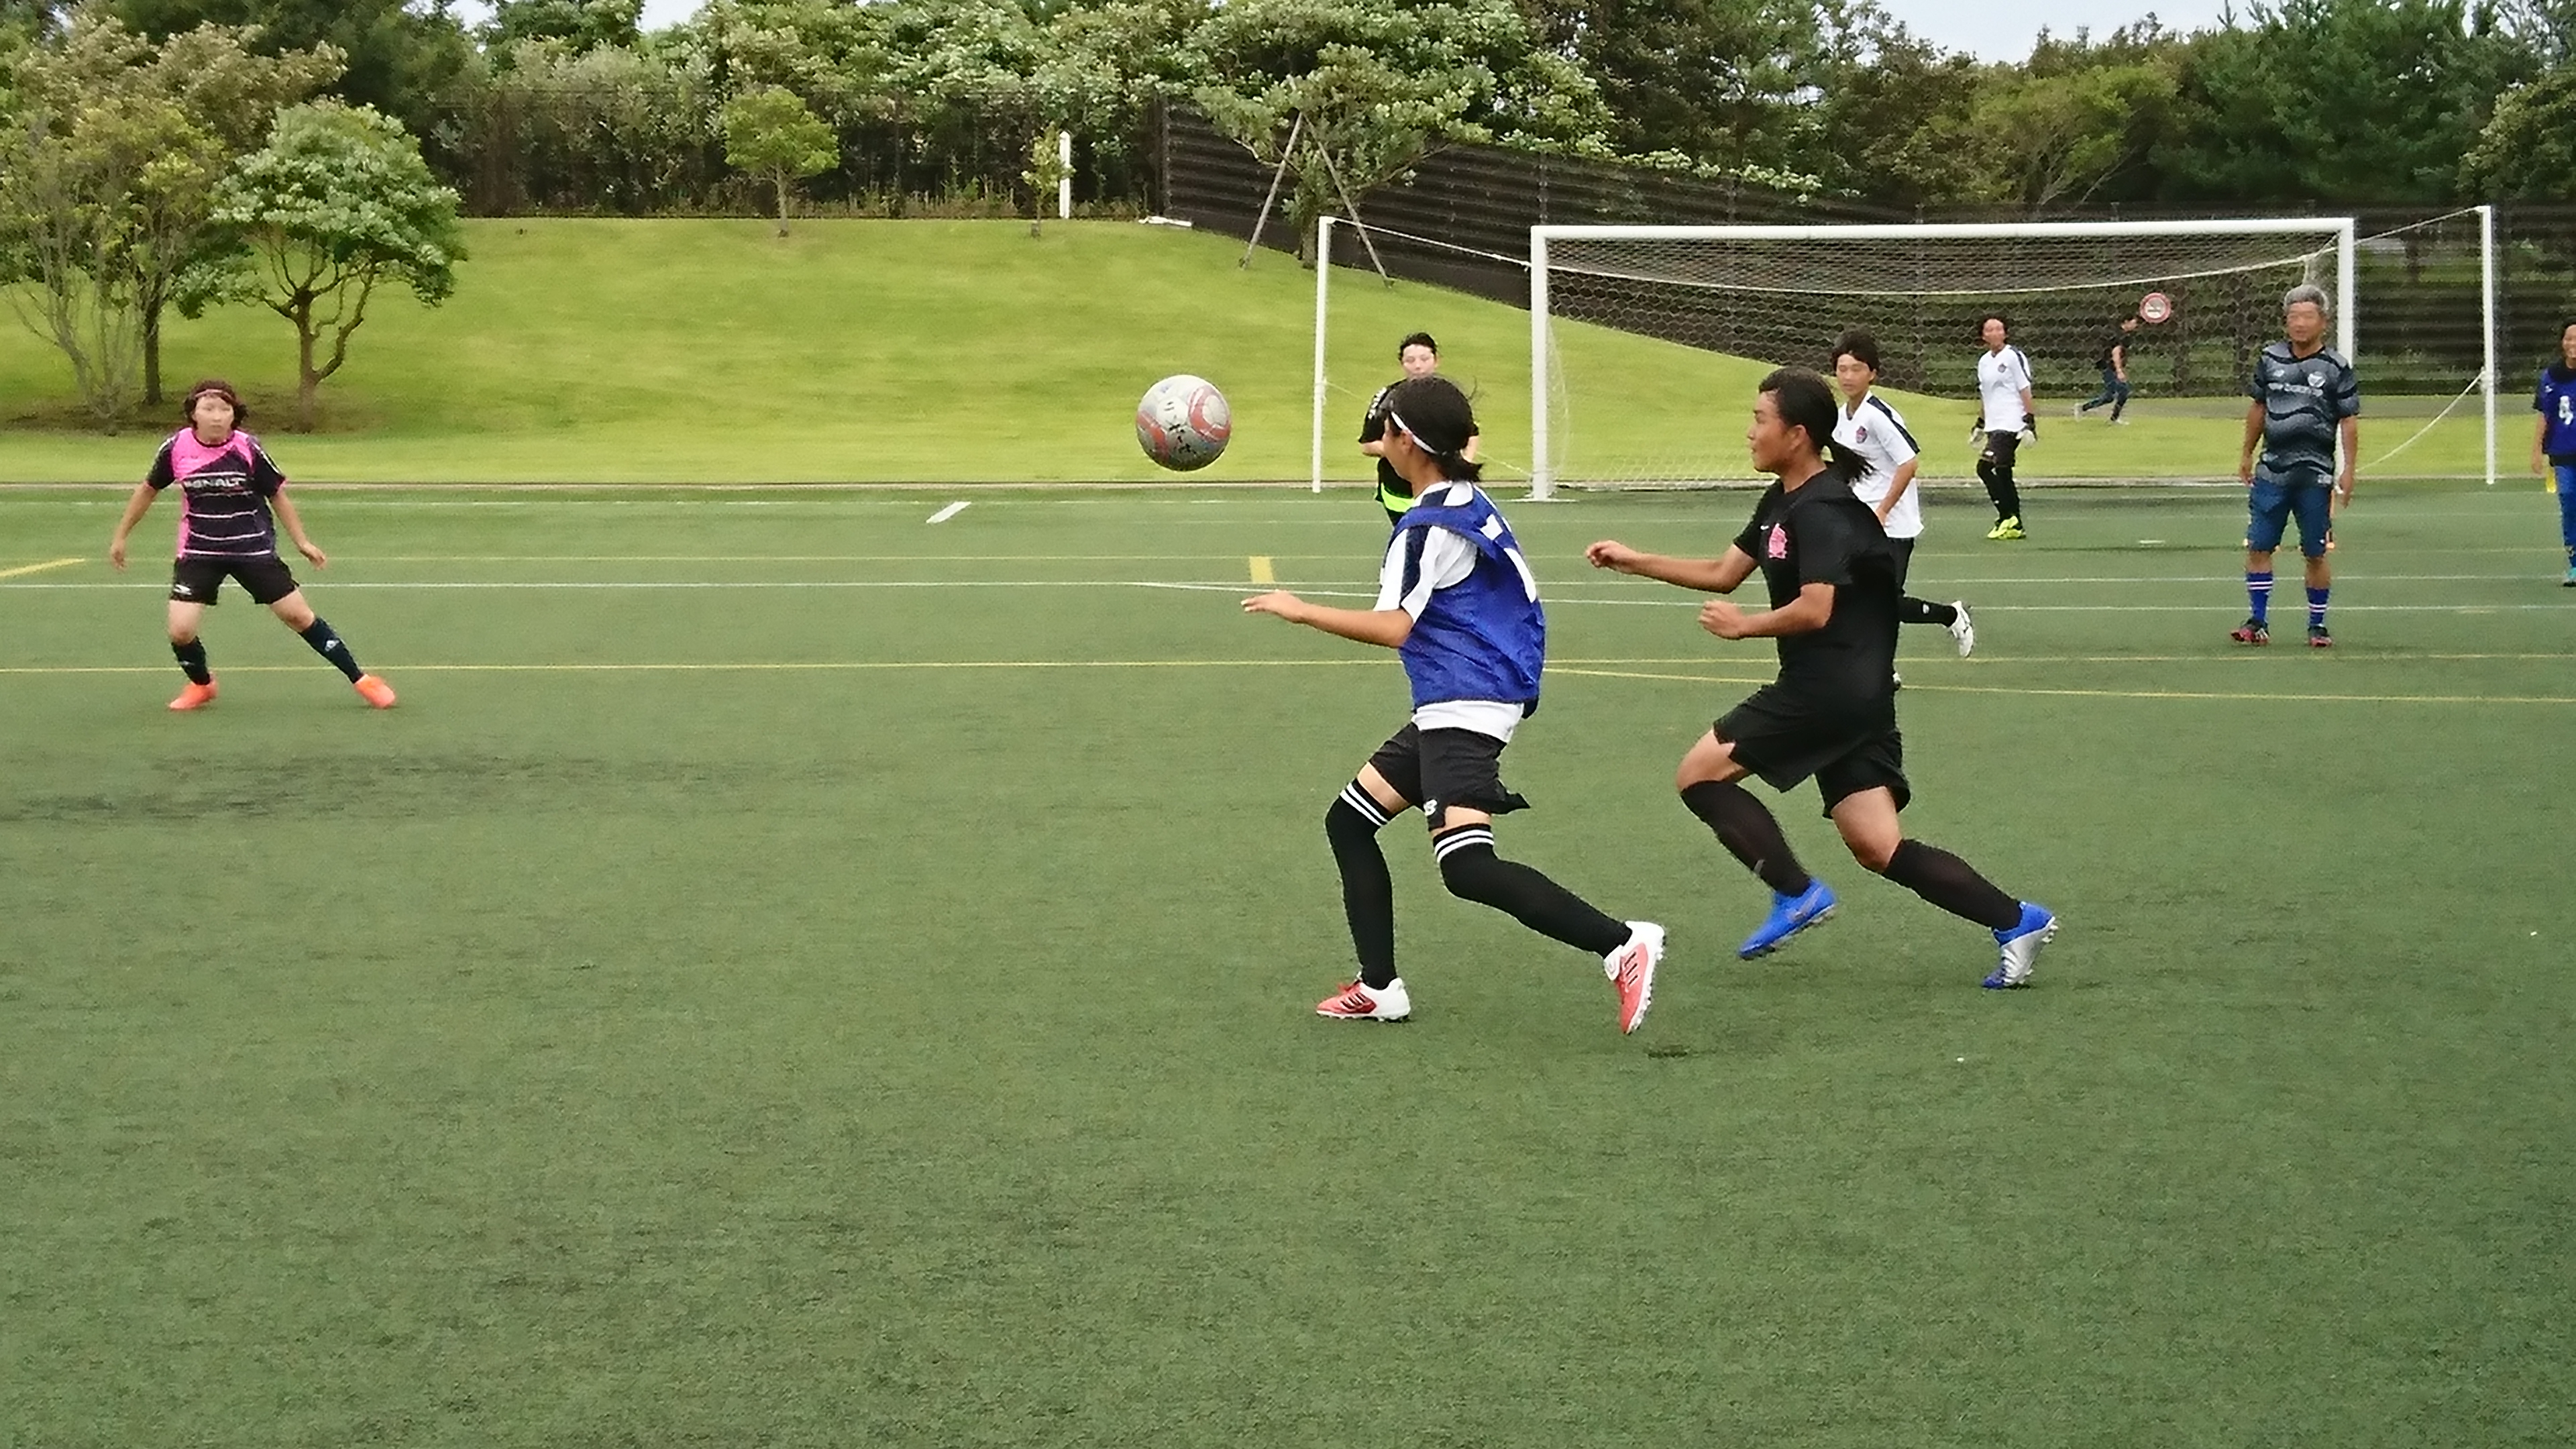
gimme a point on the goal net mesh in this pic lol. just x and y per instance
(1726, 307)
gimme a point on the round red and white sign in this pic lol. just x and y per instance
(2155, 307)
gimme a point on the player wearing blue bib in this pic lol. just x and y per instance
(2553, 443)
(2306, 402)
(1458, 603)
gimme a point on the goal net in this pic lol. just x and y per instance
(1646, 340)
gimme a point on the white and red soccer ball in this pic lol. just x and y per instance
(1183, 423)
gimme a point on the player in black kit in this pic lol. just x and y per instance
(1831, 715)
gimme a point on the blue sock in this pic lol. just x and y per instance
(2317, 608)
(328, 645)
(2258, 590)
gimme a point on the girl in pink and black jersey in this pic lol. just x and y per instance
(232, 499)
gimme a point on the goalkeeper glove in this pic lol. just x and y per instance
(2030, 427)
(1977, 433)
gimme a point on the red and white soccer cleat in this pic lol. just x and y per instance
(1631, 968)
(374, 691)
(1360, 1001)
(195, 696)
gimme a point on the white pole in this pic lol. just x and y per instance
(1064, 175)
(2487, 326)
(1323, 282)
(1542, 476)
(2346, 304)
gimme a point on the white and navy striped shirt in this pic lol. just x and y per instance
(1873, 435)
(225, 488)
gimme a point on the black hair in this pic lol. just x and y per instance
(1805, 400)
(1439, 419)
(213, 387)
(1992, 316)
(1413, 340)
(1859, 346)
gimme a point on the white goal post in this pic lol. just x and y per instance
(1779, 294)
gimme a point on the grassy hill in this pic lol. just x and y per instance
(710, 351)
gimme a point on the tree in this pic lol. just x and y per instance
(398, 58)
(770, 134)
(1368, 89)
(1720, 81)
(2528, 151)
(578, 25)
(2036, 140)
(337, 203)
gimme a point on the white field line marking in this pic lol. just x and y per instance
(951, 511)
(60, 563)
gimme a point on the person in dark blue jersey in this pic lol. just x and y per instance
(2553, 444)
(2307, 404)
(1458, 602)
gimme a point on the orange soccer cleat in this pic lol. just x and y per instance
(1360, 1001)
(195, 696)
(1631, 968)
(371, 689)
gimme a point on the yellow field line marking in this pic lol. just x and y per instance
(60, 563)
(1261, 570)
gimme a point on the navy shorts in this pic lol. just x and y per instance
(2271, 503)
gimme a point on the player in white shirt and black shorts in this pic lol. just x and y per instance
(1873, 437)
(2008, 419)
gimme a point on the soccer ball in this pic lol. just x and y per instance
(1183, 423)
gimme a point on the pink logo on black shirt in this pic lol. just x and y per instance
(1778, 547)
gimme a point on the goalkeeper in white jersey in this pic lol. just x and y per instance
(2008, 418)
(1873, 435)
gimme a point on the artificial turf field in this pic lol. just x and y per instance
(790, 974)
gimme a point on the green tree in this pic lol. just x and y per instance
(2039, 139)
(399, 58)
(1369, 89)
(2528, 150)
(336, 204)
(2347, 101)
(1728, 82)
(770, 134)
(577, 25)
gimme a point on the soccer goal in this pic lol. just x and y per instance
(1725, 303)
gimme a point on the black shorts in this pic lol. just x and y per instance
(199, 580)
(1785, 739)
(2000, 448)
(1435, 769)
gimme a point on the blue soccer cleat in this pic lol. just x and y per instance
(1789, 915)
(2020, 947)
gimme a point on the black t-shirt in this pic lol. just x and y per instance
(1820, 534)
(2120, 337)
(1391, 486)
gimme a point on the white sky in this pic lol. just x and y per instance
(1991, 29)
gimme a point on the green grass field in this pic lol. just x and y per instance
(877, 351)
(790, 974)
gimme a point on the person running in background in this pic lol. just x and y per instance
(232, 498)
(1872, 436)
(1831, 714)
(2306, 401)
(2114, 362)
(1420, 357)
(1458, 603)
(2553, 443)
(2007, 419)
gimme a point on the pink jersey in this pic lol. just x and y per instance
(224, 490)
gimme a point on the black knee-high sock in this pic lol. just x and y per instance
(1749, 833)
(192, 659)
(328, 645)
(1368, 896)
(1911, 610)
(2007, 493)
(1994, 488)
(1952, 884)
(1471, 870)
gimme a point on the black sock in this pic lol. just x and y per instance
(1368, 896)
(1994, 490)
(192, 658)
(1952, 884)
(328, 645)
(1471, 870)
(1749, 834)
(1911, 610)
(2007, 493)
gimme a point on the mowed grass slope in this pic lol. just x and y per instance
(789, 975)
(712, 351)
